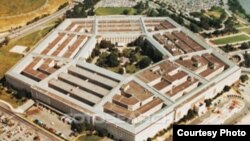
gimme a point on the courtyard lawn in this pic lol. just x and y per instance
(114, 11)
(231, 39)
(215, 12)
(132, 68)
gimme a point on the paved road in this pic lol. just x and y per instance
(49, 137)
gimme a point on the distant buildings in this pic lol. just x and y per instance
(130, 108)
(187, 6)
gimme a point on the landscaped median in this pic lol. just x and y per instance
(231, 39)
(245, 29)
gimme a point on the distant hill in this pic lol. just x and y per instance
(16, 7)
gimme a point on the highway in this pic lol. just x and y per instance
(45, 135)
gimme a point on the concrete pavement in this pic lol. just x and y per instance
(49, 136)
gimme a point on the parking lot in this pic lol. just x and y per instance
(51, 121)
(224, 110)
(11, 129)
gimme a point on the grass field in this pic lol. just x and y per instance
(89, 138)
(10, 98)
(231, 39)
(10, 23)
(16, 7)
(215, 12)
(113, 11)
(9, 59)
(246, 30)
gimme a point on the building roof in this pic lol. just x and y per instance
(58, 67)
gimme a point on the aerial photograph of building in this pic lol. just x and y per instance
(127, 70)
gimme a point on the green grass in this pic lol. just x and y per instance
(10, 99)
(113, 11)
(246, 30)
(9, 59)
(215, 12)
(89, 138)
(238, 25)
(15, 7)
(232, 39)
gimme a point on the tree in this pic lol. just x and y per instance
(244, 78)
(132, 57)
(91, 12)
(140, 6)
(247, 59)
(162, 12)
(121, 71)
(152, 13)
(226, 88)
(125, 11)
(194, 27)
(36, 138)
(204, 22)
(245, 46)
(149, 139)
(126, 52)
(102, 60)
(208, 102)
(77, 12)
(78, 124)
(229, 48)
(102, 132)
(95, 52)
(22, 94)
(112, 60)
(5, 41)
(63, 6)
(106, 44)
(146, 61)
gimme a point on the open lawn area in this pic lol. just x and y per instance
(114, 11)
(9, 59)
(89, 138)
(231, 39)
(246, 30)
(16, 7)
(10, 98)
(215, 12)
(10, 23)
